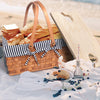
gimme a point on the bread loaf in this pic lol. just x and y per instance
(24, 41)
(27, 29)
(15, 40)
(9, 31)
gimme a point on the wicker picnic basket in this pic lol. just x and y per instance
(36, 55)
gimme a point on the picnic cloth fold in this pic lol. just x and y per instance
(30, 86)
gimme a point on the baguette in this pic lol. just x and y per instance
(15, 40)
(27, 39)
(57, 35)
(24, 41)
(54, 28)
(43, 32)
(43, 39)
(27, 29)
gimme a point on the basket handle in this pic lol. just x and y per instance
(27, 9)
(36, 11)
(48, 24)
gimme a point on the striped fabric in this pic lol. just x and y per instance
(21, 50)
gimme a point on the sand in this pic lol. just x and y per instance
(11, 12)
(18, 87)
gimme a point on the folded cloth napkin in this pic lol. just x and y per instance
(70, 66)
(32, 81)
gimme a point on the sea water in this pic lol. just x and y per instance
(89, 1)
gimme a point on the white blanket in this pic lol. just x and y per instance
(30, 86)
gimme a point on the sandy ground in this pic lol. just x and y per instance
(12, 11)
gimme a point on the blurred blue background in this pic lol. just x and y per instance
(89, 1)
